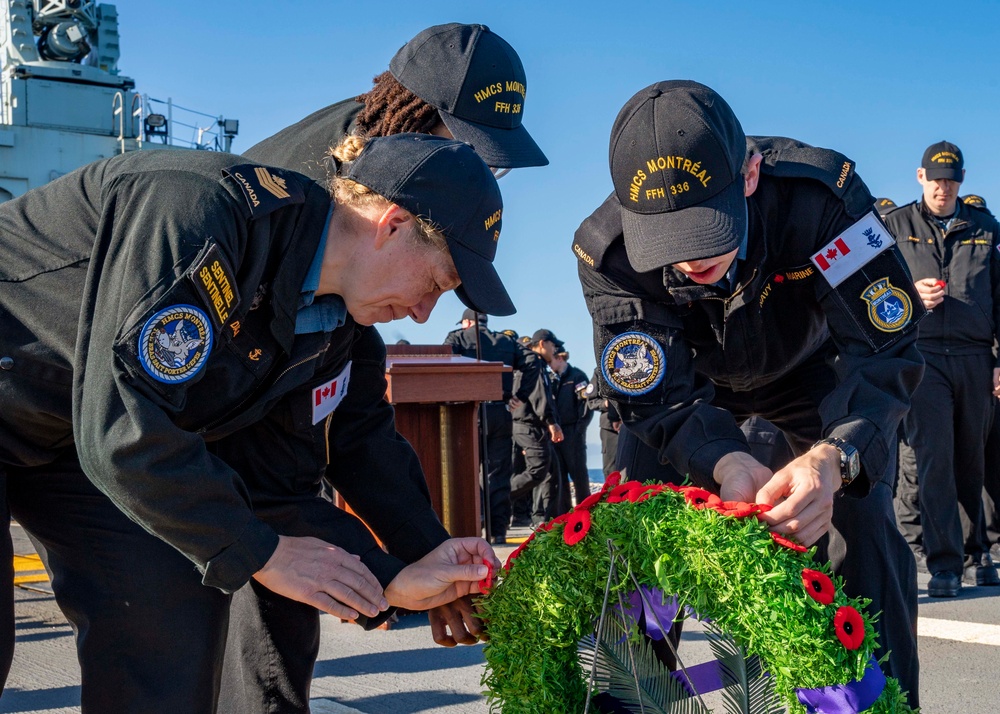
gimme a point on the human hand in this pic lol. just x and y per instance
(329, 578)
(450, 571)
(931, 291)
(802, 494)
(514, 403)
(996, 382)
(456, 623)
(616, 425)
(556, 433)
(740, 476)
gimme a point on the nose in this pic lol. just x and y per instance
(422, 310)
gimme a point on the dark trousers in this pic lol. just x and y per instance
(863, 545)
(907, 498)
(609, 446)
(150, 637)
(572, 454)
(947, 426)
(496, 423)
(539, 470)
(991, 482)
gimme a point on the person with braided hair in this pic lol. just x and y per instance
(458, 81)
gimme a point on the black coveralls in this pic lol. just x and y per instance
(571, 407)
(952, 409)
(199, 433)
(782, 343)
(498, 347)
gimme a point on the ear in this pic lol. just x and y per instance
(921, 175)
(392, 225)
(752, 176)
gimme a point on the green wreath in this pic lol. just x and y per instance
(764, 591)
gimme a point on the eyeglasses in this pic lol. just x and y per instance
(499, 173)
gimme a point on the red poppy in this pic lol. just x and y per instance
(850, 627)
(620, 492)
(486, 583)
(675, 487)
(700, 498)
(763, 508)
(781, 540)
(576, 528)
(818, 585)
(638, 495)
(555, 521)
(589, 502)
(517, 551)
(736, 509)
(614, 478)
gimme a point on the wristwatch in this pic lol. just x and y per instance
(850, 462)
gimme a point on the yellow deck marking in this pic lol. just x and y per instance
(29, 569)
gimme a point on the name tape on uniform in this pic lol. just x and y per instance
(326, 397)
(852, 249)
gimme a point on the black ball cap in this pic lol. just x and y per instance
(476, 82)
(541, 335)
(677, 151)
(884, 205)
(446, 183)
(943, 160)
(470, 314)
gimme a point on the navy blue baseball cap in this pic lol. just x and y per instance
(676, 154)
(943, 160)
(446, 183)
(476, 82)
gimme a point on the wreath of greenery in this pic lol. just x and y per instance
(759, 588)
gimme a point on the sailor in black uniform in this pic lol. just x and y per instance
(186, 350)
(729, 276)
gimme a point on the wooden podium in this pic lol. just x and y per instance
(436, 395)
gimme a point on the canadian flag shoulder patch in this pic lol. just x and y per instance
(852, 249)
(327, 396)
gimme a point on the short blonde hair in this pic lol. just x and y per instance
(346, 192)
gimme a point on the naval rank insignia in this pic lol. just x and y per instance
(174, 343)
(889, 308)
(633, 363)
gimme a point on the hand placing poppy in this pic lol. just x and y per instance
(850, 627)
(819, 586)
(736, 509)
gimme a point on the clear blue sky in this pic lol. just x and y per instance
(876, 81)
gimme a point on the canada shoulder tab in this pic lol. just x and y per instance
(788, 158)
(598, 232)
(265, 188)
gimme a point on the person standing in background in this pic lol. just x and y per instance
(569, 386)
(495, 417)
(951, 251)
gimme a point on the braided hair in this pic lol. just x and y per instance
(391, 108)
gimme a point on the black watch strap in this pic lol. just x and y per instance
(850, 460)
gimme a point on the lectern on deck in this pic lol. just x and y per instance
(436, 395)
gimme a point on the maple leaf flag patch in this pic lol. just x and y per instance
(327, 396)
(852, 249)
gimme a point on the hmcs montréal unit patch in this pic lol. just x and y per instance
(633, 363)
(174, 343)
(889, 308)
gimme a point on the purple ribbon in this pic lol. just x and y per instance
(849, 698)
(661, 609)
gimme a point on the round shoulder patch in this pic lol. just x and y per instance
(889, 308)
(633, 363)
(174, 343)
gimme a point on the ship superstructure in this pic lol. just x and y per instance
(63, 102)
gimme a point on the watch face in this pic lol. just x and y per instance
(853, 465)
